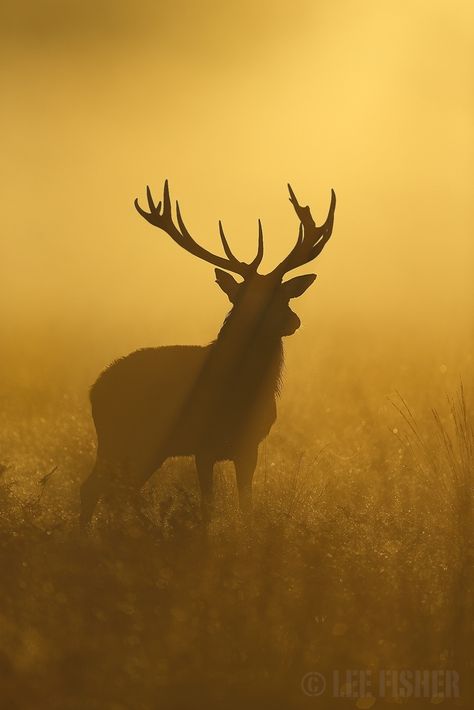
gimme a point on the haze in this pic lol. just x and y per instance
(230, 101)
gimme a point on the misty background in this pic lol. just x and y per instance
(230, 101)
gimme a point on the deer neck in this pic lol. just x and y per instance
(245, 356)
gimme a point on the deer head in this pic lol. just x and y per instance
(262, 301)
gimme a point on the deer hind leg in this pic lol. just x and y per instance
(92, 489)
(107, 481)
(117, 481)
(138, 473)
(245, 464)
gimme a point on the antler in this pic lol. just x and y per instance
(160, 216)
(311, 239)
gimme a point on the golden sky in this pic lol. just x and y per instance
(230, 100)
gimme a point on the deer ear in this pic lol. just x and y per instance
(227, 283)
(297, 286)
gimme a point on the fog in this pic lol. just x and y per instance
(230, 101)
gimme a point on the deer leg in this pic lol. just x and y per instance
(245, 464)
(91, 490)
(205, 471)
(120, 483)
(139, 475)
(110, 482)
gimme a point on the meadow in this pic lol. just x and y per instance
(358, 556)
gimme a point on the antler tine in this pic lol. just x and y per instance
(151, 204)
(166, 201)
(311, 239)
(259, 256)
(162, 218)
(225, 243)
(253, 266)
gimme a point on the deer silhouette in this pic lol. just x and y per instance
(214, 402)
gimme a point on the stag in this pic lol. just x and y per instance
(215, 402)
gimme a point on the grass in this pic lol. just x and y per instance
(359, 555)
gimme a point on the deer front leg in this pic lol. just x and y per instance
(205, 471)
(245, 464)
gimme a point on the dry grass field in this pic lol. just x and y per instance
(358, 556)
